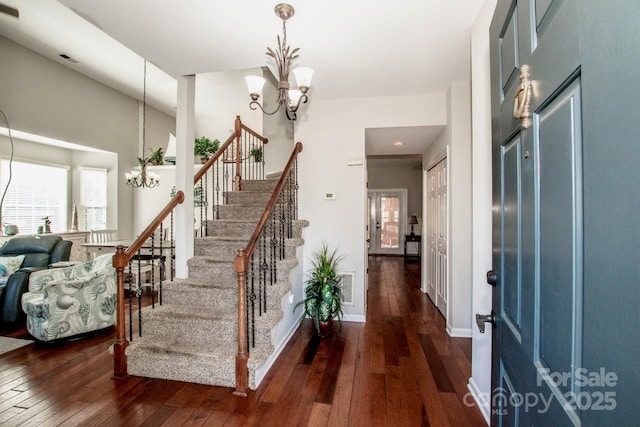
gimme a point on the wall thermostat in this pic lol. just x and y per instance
(329, 196)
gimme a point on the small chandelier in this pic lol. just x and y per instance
(143, 178)
(284, 57)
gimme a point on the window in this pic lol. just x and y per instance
(35, 192)
(93, 188)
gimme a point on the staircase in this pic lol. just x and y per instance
(193, 335)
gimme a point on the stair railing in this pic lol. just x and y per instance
(240, 156)
(256, 264)
(144, 255)
(123, 259)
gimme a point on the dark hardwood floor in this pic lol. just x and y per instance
(398, 369)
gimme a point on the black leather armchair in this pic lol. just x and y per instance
(39, 252)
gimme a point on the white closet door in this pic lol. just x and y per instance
(437, 274)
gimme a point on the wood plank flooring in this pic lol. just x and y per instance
(398, 369)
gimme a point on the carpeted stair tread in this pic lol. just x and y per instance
(196, 313)
(184, 359)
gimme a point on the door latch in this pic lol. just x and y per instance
(481, 319)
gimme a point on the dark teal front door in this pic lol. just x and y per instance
(566, 212)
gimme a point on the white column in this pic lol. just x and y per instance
(185, 123)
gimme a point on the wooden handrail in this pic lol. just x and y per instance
(120, 261)
(272, 201)
(253, 133)
(213, 158)
(144, 236)
(240, 266)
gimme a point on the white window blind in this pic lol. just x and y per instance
(36, 191)
(93, 187)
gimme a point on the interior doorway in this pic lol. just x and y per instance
(387, 221)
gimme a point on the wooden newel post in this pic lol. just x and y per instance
(242, 359)
(119, 356)
(237, 180)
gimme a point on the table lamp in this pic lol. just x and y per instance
(413, 220)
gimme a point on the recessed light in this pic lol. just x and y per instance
(398, 144)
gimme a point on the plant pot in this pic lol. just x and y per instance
(204, 160)
(325, 328)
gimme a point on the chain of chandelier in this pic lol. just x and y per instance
(143, 178)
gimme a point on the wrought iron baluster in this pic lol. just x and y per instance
(289, 206)
(161, 264)
(139, 295)
(252, 297)
(265, 267)
(203, 206)
(172, 251)
(274, 244)
(153, 276)
(296, 186)
(283, 220)
(130, 294)
(216, 200)
(260, 294)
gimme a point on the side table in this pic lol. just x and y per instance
(418, 241)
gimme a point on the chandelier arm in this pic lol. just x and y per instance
(254, 105)
(291, 115)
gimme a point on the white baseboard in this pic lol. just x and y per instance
(355, 318)
(459, 332)
(480, 399)
(262, 371)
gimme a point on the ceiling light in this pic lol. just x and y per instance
(284, 57)
(143, 178)
(398, 144)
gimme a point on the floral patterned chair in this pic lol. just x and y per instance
(71, 301)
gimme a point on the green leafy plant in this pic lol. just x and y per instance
(203, 147)
(256, 153)
(156, 157)
(323, 294)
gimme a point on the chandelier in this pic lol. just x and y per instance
(283, 57)
(142, 177)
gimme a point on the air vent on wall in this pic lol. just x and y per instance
(9, 10)
(68, 58)
(348, 279)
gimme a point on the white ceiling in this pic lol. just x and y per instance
(358, 48)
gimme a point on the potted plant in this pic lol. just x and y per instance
(256, 153)
(156, 157)
(204, 147)
(323, 294)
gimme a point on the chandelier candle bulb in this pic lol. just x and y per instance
(303, 78)
(294, 99)
(255, 85)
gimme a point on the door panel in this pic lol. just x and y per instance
(565, 202)
(560, 236)
(512, 237)
(437, 262)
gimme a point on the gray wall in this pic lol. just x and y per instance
(43, 97)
